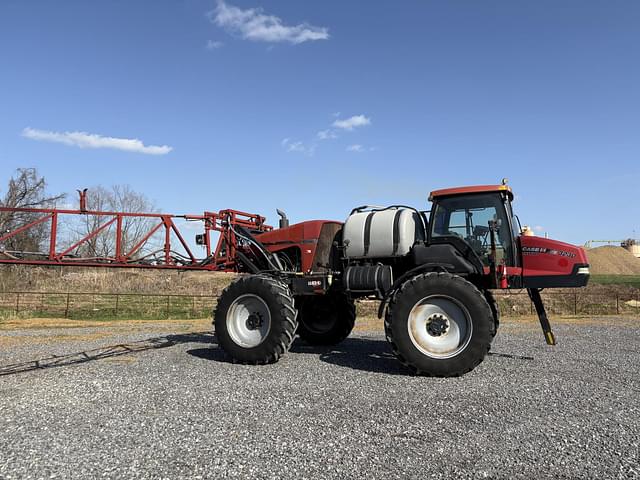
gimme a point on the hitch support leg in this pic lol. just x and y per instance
(534, 295)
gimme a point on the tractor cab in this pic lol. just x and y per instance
(481, 216)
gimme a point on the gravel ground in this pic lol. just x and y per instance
(174, 408)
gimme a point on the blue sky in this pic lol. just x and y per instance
(228, 101)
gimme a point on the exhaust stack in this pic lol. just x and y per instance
(284, 221)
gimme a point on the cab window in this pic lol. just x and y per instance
(468, 217)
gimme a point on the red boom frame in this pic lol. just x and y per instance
(222, 259)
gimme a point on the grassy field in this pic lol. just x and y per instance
(96, 306)
(628, 280)
(104, 295)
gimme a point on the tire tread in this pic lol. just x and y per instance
(287, 314)
(411, 284)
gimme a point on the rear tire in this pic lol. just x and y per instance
(255, 319)
(326, 319)
(439, 324)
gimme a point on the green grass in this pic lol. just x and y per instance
(630, 280)
(105, 307)
(108, 315)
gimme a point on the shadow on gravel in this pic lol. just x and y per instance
(214, 352)
(370, 355)
(357, 353)
(110, 351)
(366, 354)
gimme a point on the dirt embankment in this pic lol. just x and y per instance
(610, 260)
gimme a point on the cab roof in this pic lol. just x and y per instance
(447, 192)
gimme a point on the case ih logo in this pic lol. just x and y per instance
(538, 250)
(314, 283)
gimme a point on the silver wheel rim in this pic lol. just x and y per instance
(440, 326)
(248, 320)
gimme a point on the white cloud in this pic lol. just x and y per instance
(327, 134)
(92, 140)
(352, 122)
(214, 44)
(253, 24)
(297, 147)
(538, 228)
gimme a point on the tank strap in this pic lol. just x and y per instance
(396, 231)
(367, 232)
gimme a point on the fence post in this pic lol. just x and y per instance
(575, 302)
(168, 299)
(117, 303)
(530, 307)
(17, 303)
(66, 308)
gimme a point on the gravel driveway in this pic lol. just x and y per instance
(173, 407)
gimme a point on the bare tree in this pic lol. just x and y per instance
(119, 198)
(26, 189)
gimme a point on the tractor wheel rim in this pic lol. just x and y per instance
(248, 320)
(440, 326)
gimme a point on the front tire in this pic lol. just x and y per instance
(255, 319)
(495, 310)
(326, 319)
(439, 324)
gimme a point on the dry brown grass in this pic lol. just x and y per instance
(106, 280)
(369, 324)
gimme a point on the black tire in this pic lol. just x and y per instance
(458, 313)
(255, 300)
(326, 319)
(495, 311)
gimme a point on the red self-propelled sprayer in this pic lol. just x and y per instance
(433, 272)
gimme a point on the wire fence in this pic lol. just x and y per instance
(576, 302)
(88, 305)
(85, 305)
